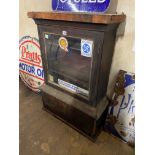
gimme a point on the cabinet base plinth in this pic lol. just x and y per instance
(88, 121)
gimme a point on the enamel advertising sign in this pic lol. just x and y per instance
(80, 5)
(30, 63)
(121, 115)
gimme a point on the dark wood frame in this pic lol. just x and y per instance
(99, 68)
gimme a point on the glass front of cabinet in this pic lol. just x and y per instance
(69, 61)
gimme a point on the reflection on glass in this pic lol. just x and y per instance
(66, 66)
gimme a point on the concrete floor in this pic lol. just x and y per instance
(43, 134)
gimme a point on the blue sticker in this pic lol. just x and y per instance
(80, 5)
(86, 48)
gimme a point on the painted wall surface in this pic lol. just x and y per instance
(27, 25)
(124, 57)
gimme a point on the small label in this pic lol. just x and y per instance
(63, 43)
(86, 48)
(46, 36)
(73, 88)
(50, 78)
(64, 33)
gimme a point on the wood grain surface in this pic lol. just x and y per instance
(79, 17)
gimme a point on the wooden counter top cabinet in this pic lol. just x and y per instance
(77, 52)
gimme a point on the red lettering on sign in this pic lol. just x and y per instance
(32, 56)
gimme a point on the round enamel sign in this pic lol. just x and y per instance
(30, 63)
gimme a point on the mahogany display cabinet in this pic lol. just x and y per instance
(77, 52)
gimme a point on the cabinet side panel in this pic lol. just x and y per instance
(107, 54)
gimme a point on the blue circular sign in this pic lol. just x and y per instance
(86, 48)
(80, 5)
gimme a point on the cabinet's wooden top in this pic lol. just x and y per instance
(79, 17)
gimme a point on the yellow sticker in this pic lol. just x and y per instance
(63, 43)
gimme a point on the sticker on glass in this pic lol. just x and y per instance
(86, 48)
(64, 33)
(73, 87)
(63, 43)
(46, 36)
(50, 78)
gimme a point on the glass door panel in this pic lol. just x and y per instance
(69, 62)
